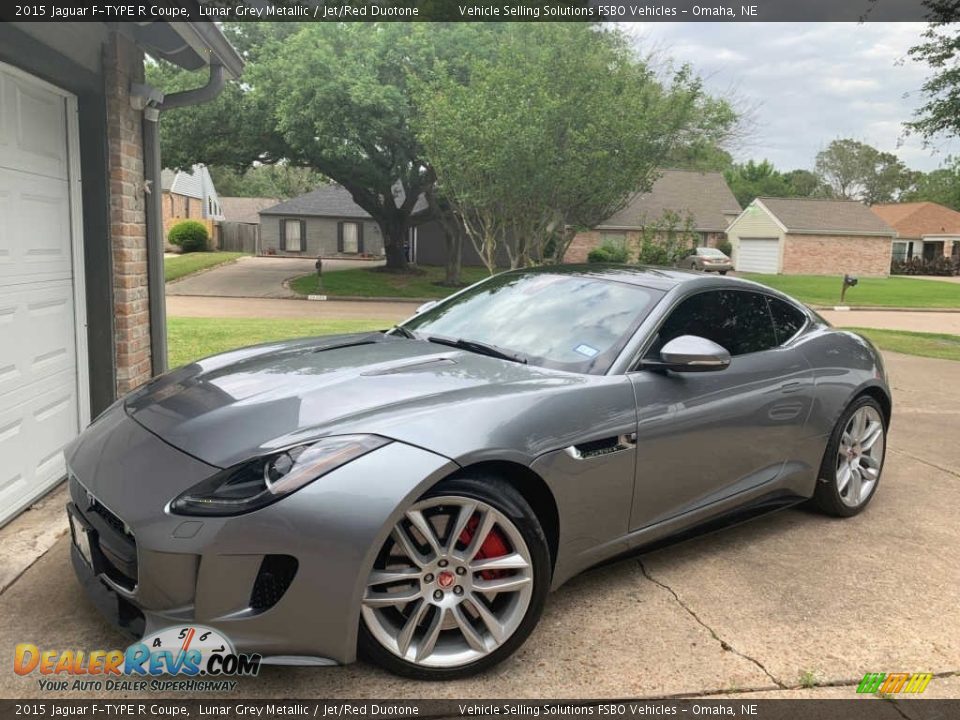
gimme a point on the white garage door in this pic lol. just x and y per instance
(759, 255)
(43, 371)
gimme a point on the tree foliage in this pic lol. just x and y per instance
(752, 179)
(273, 181)
(940, 49)
(550, 134)
(857, 171)
(940, 186)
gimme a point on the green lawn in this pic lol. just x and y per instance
(190, 339)
(373, 282)
(879, 292)
(181, 265)
(933, 345)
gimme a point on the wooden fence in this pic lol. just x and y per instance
(238, 237)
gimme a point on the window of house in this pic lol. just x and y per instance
(292, 235)
(738, 321)
(351, 237)
(613, 239)
(900, 251)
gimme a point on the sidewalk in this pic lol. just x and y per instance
(915, 321)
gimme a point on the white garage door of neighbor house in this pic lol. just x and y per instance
(759, 255)
(43, 364)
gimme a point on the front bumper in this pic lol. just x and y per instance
(284, 581)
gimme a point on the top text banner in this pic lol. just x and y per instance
(463, 11)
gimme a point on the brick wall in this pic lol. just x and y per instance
(123, 63)
(584, 242)
(836, 254)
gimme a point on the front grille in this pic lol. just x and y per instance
(276, 574)
(114, 548)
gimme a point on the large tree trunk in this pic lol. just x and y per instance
(394, 238)
(454, 242)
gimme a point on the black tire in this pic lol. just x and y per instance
(826, 496)
(505, 498)
(723, 272)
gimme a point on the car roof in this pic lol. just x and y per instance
(659, 278)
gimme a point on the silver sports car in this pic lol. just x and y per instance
(413, 495)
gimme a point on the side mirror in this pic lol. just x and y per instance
(426, 306)
(691, 353)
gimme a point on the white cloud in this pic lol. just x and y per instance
(810, 82)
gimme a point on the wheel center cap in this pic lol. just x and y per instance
(445, 579)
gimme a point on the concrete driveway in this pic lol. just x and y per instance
(255, 277)
(749, 610)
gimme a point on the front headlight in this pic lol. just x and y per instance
(258, 483)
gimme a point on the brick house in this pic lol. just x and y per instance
(703, 196)
(81, 282)
(924, 229)
(189, 195)
(808, 236)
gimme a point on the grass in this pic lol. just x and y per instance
(373, 282)
(190, 339)
(932, 345)
(876, 292)
(808, 679)
(180, 266)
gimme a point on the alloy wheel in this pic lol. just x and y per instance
(451, 584)
(860, 456)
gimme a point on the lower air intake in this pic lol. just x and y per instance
(276, 574)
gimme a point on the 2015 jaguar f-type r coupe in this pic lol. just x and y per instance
(414, 494)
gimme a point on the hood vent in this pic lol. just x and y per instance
(416, 366)
(347, 344)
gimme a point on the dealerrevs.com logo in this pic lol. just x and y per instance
(204, 655)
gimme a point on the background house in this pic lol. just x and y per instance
(924, 229)
(705, 196)
(81, 282)
(806, 236)
(323, 222)
(189, 195)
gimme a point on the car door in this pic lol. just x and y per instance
(704, 436)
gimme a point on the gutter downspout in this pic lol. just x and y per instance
(154, 212)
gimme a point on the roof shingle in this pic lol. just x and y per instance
(815, 215)
(245, 209)
(705, 195)
(915, 220)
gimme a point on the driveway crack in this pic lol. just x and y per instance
(713, 633)
(941, 468)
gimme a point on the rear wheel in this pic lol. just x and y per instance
(459, 584)
(853, 461)
(723, 272)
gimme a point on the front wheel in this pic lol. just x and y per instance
(723, 272)
(853, 461)
(459, 584)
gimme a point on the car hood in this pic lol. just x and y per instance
(229, 408)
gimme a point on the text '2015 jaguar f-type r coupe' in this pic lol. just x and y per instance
(414, 494)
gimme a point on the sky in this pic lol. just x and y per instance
(809, 83)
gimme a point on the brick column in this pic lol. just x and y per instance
(123, 63)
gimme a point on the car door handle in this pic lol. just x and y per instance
(790, 387)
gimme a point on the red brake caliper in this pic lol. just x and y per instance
(495, 545)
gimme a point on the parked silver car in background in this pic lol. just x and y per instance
(416, 493)
(707, 259)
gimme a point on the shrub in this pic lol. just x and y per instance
(609, 254)
(725, 247)
(921, 266)
(653, 253)
(189, 236)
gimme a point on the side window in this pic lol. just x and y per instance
(787, 320)
(736, 320)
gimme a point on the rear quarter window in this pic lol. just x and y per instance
(787, 320)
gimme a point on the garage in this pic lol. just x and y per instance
(759, 255)
(43, 365)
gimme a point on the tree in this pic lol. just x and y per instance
(276, 181)
(940, 186)
(751, 179)
(940, 49)
(857, 171)
(550, 134)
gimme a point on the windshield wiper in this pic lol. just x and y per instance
(478, 347)
(402, 331)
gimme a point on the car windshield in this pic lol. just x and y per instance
(577, 323)
(710, 252)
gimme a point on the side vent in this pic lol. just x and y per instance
(604, 446)
(276, 574)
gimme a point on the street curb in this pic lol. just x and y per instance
(201, 271)
(871, 308)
